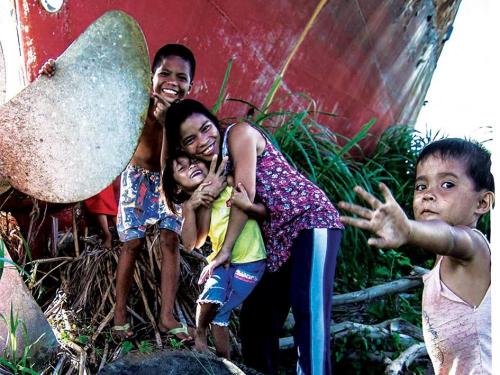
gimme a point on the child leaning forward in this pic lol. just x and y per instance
(454, 187)
(226, 286)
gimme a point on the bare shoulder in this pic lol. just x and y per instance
(242, 128)
(469, 279)
(481, 242)
(245, 134)
(477, 244)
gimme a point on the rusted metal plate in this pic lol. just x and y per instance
(65, 138)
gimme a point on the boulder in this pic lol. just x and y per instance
(183, 362)
(26, 312)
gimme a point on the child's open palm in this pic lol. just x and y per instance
(386, 220)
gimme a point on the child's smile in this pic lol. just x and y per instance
(189, 173)
(172, 79)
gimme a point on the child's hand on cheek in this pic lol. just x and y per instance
(161, 105)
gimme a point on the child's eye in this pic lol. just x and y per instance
(447, 185)
(419, 187)
(205, 128)
(187, 141)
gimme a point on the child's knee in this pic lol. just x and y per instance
(169, 240)
(132, 247)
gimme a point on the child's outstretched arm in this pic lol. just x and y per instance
(392, 228)
(240, 199)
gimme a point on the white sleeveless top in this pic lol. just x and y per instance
(457, 335)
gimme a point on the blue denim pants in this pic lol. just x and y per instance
(228, 287)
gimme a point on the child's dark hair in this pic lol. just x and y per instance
(173, 194)
(179, 112)
(175, 50)
(476, 157)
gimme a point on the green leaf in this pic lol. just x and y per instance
(223, 88)
(127, 346)
(145, 346)
(83, 339)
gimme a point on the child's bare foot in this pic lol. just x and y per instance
(200, 341)
(107, 241)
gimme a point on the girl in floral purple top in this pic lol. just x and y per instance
(302, 236)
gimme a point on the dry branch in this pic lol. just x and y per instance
(392, 287)
(83, 305)
(406, 359)
(408, 333)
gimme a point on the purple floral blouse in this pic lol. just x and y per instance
(294, 203)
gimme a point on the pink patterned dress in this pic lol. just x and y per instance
(457, 335)
(294, 203)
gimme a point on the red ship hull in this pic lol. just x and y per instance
(360, 59)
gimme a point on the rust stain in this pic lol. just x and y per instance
(302, 36)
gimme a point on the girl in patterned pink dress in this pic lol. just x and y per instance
(453, 188)
(302, 237)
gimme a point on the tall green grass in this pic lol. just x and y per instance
(11, 360)
(325, 157)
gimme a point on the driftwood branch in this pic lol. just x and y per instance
(406, 359)
(408, 333)
(392, 287)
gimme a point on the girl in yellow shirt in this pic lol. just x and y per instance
(206, 214)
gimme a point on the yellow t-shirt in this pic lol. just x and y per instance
(249, 247)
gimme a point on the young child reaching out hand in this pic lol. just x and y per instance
(453, 189)
(225, 287)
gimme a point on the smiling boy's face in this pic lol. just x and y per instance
(172, 79)
(444, 191)
(189, 173)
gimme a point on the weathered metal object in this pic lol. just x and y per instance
(15, 297)
(65, 138)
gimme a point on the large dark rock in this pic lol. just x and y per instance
(173, 362)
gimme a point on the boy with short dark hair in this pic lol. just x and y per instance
(140, 205)
(454, 187)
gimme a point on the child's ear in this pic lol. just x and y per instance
(485, 202)
(190, 87)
